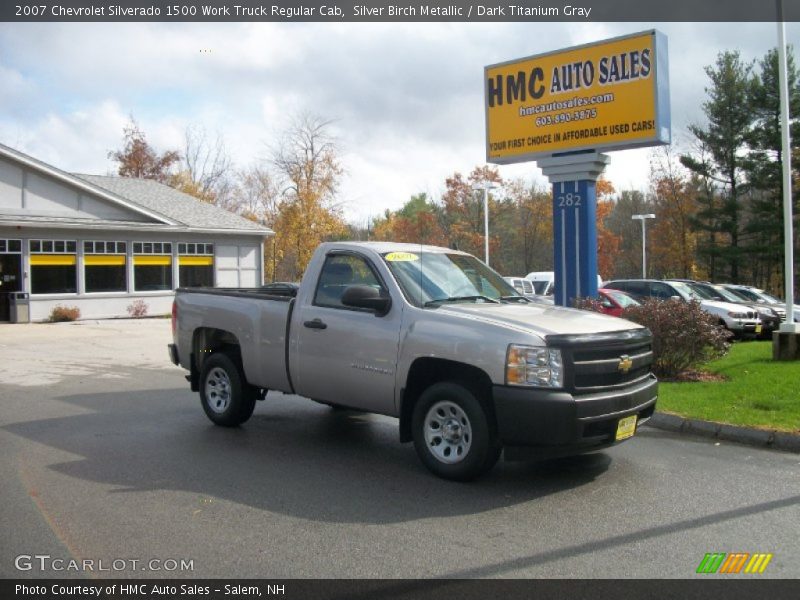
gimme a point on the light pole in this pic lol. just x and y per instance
(485, 186)
(643, 218)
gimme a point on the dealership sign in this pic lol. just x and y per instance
(609, 95)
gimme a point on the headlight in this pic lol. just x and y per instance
(737, 315)
(527, 365)
(767, 312)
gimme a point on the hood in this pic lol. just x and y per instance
(725, 307)
(539, 319)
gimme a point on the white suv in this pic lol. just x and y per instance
(741, 321)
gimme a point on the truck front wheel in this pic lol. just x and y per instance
(453, 435)
(227, 398)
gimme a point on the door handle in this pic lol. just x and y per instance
(315, 324)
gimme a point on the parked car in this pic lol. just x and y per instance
(770, 319)
(544, 282)
(758, 295)
(613, 302)
(741, 321)
(431, 336)
(523, 286)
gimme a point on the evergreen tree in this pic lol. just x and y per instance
(764, 167)
(725, 136)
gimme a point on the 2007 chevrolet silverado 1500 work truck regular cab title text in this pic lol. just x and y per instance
(429, 335)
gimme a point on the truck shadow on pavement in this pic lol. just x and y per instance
(293, 456)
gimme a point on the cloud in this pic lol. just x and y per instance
(406, 98)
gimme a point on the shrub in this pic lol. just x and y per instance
(138, 309)
(684, 335)
(64, 313)
(587, 303)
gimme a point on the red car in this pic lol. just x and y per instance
(613, 302)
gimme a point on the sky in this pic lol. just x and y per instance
(405, 99)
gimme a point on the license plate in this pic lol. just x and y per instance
(626, 428)
(758, 328)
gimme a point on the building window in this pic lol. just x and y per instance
(196, 265)
(152, 266)
(104, 266)
(10, 246)
(53, 266)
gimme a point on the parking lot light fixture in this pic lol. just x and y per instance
(485, 186)
(643, 219)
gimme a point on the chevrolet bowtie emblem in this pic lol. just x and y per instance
(625, 363)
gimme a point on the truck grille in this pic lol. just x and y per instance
(598, 362)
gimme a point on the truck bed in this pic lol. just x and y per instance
(257, 319)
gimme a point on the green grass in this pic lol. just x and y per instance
(758, 393)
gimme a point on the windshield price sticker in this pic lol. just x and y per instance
(401, 257)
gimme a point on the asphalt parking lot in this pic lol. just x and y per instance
(107, 456)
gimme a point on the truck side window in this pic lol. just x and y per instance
(339, 272)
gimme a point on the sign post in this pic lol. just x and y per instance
(563, 109)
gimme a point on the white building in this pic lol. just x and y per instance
(101, 242)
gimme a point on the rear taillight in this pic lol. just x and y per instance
(174, 317)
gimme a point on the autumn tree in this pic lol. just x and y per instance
(524, 226)
(206, 170)
(608, 243)
(138, 159)
(308, 169)
(417, 222)
(673, 239)
(619, 221)
(462, 217)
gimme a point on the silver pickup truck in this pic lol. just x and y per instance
(431, 336)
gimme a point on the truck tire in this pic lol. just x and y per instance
(453, 434)
(227, 398)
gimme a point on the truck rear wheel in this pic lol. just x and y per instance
(453, 435)
(228, 400)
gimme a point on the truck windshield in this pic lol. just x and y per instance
(433, 278)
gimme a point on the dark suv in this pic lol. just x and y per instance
(642, 289)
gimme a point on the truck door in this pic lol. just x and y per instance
(344, 355)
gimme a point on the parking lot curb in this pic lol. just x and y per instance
(780, 440)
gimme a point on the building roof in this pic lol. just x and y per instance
(167, 207)
(173, 204)
(73, 222)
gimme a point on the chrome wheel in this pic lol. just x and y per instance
(218, 390)
(448, 432)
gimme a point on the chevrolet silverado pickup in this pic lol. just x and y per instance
(428, 335)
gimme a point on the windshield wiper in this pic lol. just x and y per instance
(514, 298)
(460, 299)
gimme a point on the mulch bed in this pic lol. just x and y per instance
(692, 376)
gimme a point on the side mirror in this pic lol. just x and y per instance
(367, 297)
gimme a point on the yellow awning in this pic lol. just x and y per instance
(53, 259)
(104, 260)
(153, 260)
(195, 261)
